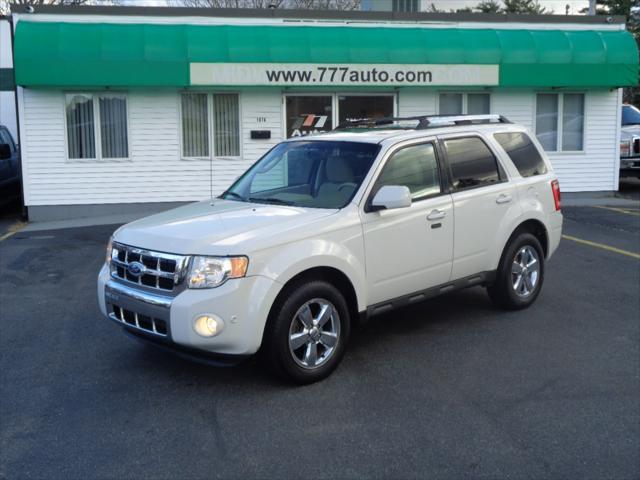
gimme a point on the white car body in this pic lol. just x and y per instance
(381, 253)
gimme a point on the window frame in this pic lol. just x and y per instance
(210, 126)
(559, 125)
(465, 101)
(97, 135)
(503, 175)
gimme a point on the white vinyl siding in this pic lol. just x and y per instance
(595, 168)
(156, 171)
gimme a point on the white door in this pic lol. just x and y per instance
(484, 203)
(409, 249)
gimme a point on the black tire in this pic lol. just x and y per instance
(503, 292)
(284, 318)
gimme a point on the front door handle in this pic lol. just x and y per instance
(504, 198)
(436, 214)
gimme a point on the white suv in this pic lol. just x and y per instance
(325, 230)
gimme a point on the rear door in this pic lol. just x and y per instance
(409, 249)
(484, 203)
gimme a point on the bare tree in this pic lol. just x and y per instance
(227, 3)
(302, 4)
(5, 4)
(524, 6)
(488, 6)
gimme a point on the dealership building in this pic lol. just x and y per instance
(122, 106)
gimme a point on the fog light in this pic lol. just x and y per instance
(208, 325)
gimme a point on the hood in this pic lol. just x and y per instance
(629, 131)
(225, 228)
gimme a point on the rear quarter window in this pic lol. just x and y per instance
(523, 153)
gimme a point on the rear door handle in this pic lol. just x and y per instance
(503, 198)
(436, 214)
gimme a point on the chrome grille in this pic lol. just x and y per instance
(146, 323)
(156, 270)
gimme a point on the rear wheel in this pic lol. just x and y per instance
(520, 274)
(308, 331)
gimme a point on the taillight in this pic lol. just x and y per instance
(555, 187)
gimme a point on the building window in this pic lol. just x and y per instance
(560, 121)
(222, 112)
(404, 5)
(85, 111)
(195, 125)
(464, 103)
(113, 126)
(308, 114)
(225, 124)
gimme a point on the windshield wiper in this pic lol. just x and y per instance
(233, 194)
(273, 200)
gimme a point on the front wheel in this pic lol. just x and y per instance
(307, 334)
(520, 273)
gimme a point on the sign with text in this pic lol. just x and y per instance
(297, 74)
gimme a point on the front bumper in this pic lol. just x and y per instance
(243, 304)
(630, 166)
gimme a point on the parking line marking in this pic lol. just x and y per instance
(619, 210)
(603, 246)
(13, 229)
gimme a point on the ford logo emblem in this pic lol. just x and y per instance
(135, 269)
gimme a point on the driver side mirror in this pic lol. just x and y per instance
(390, 197)
(5, 151)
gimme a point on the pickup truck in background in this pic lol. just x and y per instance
(9, 171)
(630, 142)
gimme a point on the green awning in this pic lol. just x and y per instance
(70, 55)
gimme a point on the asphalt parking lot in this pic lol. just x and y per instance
(450, 389)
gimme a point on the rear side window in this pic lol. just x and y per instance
(523, 153)
(472, 163)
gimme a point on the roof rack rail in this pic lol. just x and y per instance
(423, 121)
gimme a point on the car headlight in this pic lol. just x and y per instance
(109, 249)
(625, 148)
(209, 272)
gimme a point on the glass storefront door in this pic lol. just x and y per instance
(358, 107)
(309, 114)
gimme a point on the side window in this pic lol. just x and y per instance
(523, 153)
(472, 163)
(415, 167)
(6, 138)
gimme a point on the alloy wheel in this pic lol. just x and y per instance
(314, 333)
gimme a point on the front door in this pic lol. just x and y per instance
(409, 249)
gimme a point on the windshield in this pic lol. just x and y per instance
(630, 115)
(316, 174)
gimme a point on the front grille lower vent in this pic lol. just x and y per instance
(139, 321)
(162, 271)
